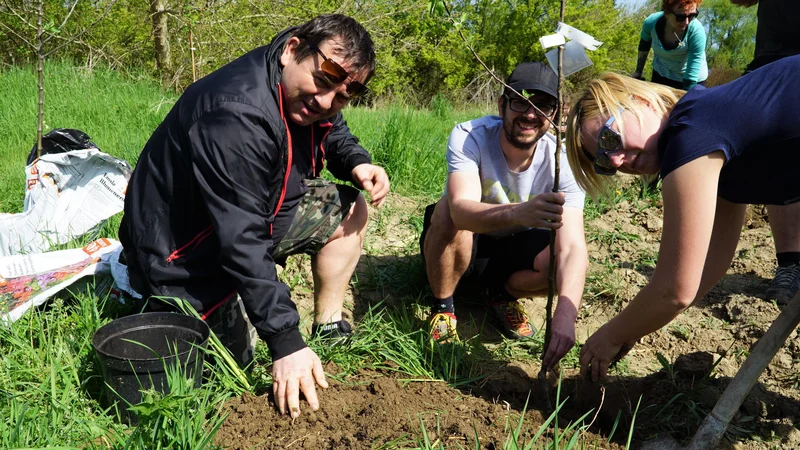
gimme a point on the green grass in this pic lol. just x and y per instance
(50, 385)
(410, 143)
(118, 113)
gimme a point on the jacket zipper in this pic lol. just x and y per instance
(329, 127)
(201, 236)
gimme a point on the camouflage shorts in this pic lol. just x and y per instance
(318, 215)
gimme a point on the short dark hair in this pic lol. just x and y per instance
(359, 50)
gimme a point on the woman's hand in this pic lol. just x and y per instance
(600, 351)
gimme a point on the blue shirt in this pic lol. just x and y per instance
(755, 121)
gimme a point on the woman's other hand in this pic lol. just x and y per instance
(600, 351)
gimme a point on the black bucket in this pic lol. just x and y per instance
(134, 350)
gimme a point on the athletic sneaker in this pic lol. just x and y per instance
(785, 284)
(443, 328)
(333, 333)
(513, 320)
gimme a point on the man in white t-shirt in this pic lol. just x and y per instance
(493, 223)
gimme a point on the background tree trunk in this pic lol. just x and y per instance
(158, 13)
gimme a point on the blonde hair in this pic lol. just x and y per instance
(607, 96)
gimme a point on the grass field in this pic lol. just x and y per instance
(49, 381)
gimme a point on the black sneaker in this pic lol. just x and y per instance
(332, 333)
(785, 284)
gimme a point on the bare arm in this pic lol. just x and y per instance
(468, 213)
(689, 193)
(572, 260)
(691, 225)
(728, 223)
(640, 62)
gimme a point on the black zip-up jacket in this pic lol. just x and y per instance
(201, 201)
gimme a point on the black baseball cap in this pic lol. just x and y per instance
(534, 76)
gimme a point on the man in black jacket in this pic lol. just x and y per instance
(228, 185)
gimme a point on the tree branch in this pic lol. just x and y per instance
(64, 22)
(74, 37)
(16, 14)
(11, 30)
(489, 71)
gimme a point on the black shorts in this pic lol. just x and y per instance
(660, 79)
(761, 61)
(495, 259)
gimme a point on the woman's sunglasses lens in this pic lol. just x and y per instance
(603, 165)
(609, 140)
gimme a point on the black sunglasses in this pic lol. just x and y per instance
(681, 17)
(336, 74)
(521, 105)
(608, 141)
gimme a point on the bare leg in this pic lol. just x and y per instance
(447, 252)
(785, 224)
(530, 283)
(333, 266)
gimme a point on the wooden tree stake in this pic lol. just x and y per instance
(551, 277)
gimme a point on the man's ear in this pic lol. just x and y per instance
(501, 105)
(289, 51)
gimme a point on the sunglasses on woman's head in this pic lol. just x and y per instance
(681, 17)
(608, 141)
(336, 74)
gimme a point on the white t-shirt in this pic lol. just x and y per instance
(474, 146)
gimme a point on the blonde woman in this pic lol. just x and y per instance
(716, 149)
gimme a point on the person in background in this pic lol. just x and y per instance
(492, 225)
(778, 36)
(678, 41)
(229, 185)
(717, 150)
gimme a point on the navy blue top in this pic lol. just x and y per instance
(755, 121)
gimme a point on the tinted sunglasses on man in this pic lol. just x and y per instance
(336, 74)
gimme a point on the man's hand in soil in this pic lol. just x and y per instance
(293, 373)
(374, 180)
(562, 338)
(599, 352)
(541, 211)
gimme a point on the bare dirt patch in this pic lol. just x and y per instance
(373, 408)
(370, 410)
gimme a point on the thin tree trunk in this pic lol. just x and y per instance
(551, 276)
(158, 13)
(191, 47)
(40, 75)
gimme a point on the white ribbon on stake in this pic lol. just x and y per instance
(575, 57)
